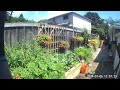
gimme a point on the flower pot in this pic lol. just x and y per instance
(84, 69)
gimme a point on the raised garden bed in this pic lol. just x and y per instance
(74, 73)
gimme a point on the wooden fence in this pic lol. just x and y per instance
(17, 32)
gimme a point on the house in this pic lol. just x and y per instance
(116, 64)
(72, 20)
(114, 29)
(114, 34)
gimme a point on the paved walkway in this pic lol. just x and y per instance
(105, 66)
(102, 66)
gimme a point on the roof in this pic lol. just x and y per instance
(116, 26)
(20, 24)
(118, 35)
(74, 14)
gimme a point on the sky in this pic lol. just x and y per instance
(39, 15)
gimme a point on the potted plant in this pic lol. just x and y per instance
(82, 55)
(94, 43)
(63, 45)
(44, 40)
(78, 39)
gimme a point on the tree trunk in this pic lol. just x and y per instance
(4, 68)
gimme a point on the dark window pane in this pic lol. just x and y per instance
(65, 17)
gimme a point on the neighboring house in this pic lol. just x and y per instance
(117, 56)
(114, 34)
(72, 20)
(113, 31)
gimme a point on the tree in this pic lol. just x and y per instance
(43, 21)
(96, 20)
(99, 25)
(16, 19)
(112, 21)
(21, 18)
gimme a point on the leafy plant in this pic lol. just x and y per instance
(78, 38)
(64, 44)
(85, 36)
(84, 53)
(43, 38)
(94, 43)
(31, 61)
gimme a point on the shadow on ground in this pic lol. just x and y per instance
(104, 69)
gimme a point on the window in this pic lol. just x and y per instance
(53, 20)
(65, 17)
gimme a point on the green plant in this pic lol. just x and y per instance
(84, 53)
(78, 38)
(31, 61)
(94, 43)
(64, 44)
(86, 36)
(69, 59)
(43, 38)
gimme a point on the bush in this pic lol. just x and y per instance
(84, 53)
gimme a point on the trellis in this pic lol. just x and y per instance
(58, 33)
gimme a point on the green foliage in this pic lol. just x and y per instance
(94, 42)
(43, 21)
(112, 21)
(64, 44)
(21, 18)
(94, 17)
(43, 38)
(69, 59)
(85, 53)
(86, 36)
(17, 19)
(31, 61)
(99, 24)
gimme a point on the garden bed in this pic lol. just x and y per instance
(74, 72)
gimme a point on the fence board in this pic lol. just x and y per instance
(19, 33)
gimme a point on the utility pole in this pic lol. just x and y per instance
(4, 68)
